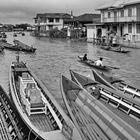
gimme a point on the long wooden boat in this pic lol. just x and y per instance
(37, 107)
(117, 84)
(6, 45)
(11, 125)
(92, 64)
(93, 118)
(114, 49)
(14, 34)
(23, 47)
(116, 98)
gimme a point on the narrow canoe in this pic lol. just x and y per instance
(91, 63)
(114, 50)
(37, 107)
(116, 98)
(94, 119)
(23, 47)
(117, 84)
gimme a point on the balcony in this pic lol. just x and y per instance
(120, 19)
(49, 23)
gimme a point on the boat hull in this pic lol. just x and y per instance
(92, 64)
(83, 100)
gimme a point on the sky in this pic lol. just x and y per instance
(23, 11)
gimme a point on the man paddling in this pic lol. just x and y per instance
(99, 62)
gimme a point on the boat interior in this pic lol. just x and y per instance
(89, 128)
(92, 116)
(36, 104)
(123, 102)
(128, 102)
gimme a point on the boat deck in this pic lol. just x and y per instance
(42, 122)
(4, 133)
(87, 125)
(129, 120)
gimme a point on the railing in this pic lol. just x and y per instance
(120, 19)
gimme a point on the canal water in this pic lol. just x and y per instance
(54, 57)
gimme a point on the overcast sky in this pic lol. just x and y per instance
(23, 11)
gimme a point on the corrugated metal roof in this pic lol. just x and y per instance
(114, 4)
(129, 2)
(118, 4)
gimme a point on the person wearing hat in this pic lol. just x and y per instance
(85, 57)
(99, 62)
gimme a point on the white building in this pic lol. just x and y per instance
(123, 17)
(95, 30)
(47, 21)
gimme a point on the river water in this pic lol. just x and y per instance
(54, 57)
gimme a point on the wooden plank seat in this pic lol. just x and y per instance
(31, 95)
(35, 104)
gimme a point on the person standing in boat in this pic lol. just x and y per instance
(99, 62)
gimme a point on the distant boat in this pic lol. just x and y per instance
(23, 47)
(15, 35)
(23, 34)
(37, 107)
(114, 49)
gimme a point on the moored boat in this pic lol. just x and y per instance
(11, 125)
(92, 64)
(23, 47)
(37, 107)
(15, 35)
(115, 49)
(94, 119)
(115, 98)
(117, 84)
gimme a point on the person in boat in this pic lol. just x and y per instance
(85, 57)
(119, 48)
(99, 62)
(114, 40)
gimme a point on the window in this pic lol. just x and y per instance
(115, 14)
(138, 28)
(122, 13)
(129, 28)
(108, 14)
(50, 19)
(57, 19)
(50, 27)
(130, 12)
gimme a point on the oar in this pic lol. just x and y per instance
(113, 67)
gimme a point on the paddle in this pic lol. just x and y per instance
(113, 67)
